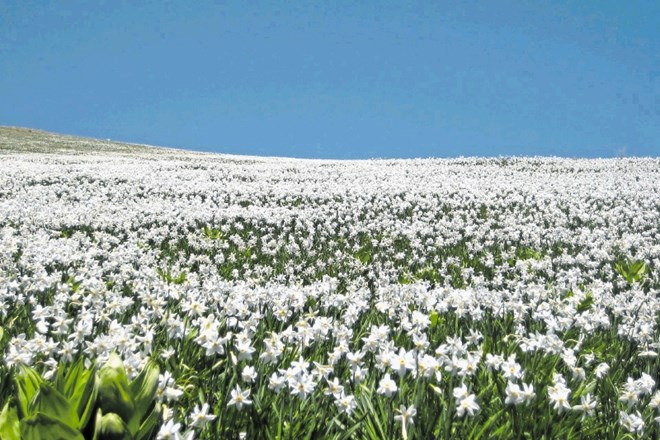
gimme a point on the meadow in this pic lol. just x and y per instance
(156, 293)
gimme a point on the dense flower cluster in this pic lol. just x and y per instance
(456, 297)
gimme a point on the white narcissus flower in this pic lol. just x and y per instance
(200, 417)
(493, 362)
(461, 392)
(655, 400)
(467, 405)
(239, 398)
(387, 386)
(514, 394)
(528, 393)
(587, 406)
(645, 384)
(601, 370)
(403, 361)
(511, 369)
(632, 422)
(169, 431)
(302, 386)
(406, 416)
(346, 404)
(249, 374)
(558, 395)
(276, 383)
(335, 388)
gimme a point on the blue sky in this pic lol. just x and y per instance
(335, 79)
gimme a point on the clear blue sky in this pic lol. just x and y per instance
(342, 79)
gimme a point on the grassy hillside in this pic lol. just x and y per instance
(28, 140)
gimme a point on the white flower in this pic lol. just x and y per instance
(511, 369)
(601, 370)
(245, 350)
(655, 400)
(346, 404)
(334, 388)
(467, 405)
(645, 384)
(387, 386)
(514, 394)
(239, 398)
(405, 415)
(167, 353)
(493, 362)
(300, 366)
(359, 374)
(403, 361)
(249, 374)
(461, 392)
(587, 406)
(302, 386)
(169, 431)
(276, 383)
(528, 393)
(468, 366)
(632, 422)
(558, 395)
(630, 394)
(200, 416)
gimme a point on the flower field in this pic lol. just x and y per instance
(268, 298)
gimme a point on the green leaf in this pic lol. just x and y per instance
(78, 385)
(72, 376)
(114, 395)
(477, 435)
(363, 255)
(405, 278)
(143, 390)
(179, 279)
(631, 271)
(150, 424)
(84, 396)
(503, 431)
(110, 427)
(586, 303)
(9, 427)
(27, 384)
(50, 402)
(213, 233)
(42, 427)
(433, 317)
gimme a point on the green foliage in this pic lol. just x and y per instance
(9, 425)
(133, 402)
(213, 233)
(429, 274)
(633, 271)
(78, 386)
(433, 317)
(110, 427)
(62, 409)
(364, 255)
(40, 426)
(166, 275)
(586, 303)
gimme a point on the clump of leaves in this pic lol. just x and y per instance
(633, 271)
(167, 276)
(213, 233)
(63, 409)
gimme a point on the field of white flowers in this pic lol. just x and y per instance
(157, 293)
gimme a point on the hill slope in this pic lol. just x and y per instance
(24, 140)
